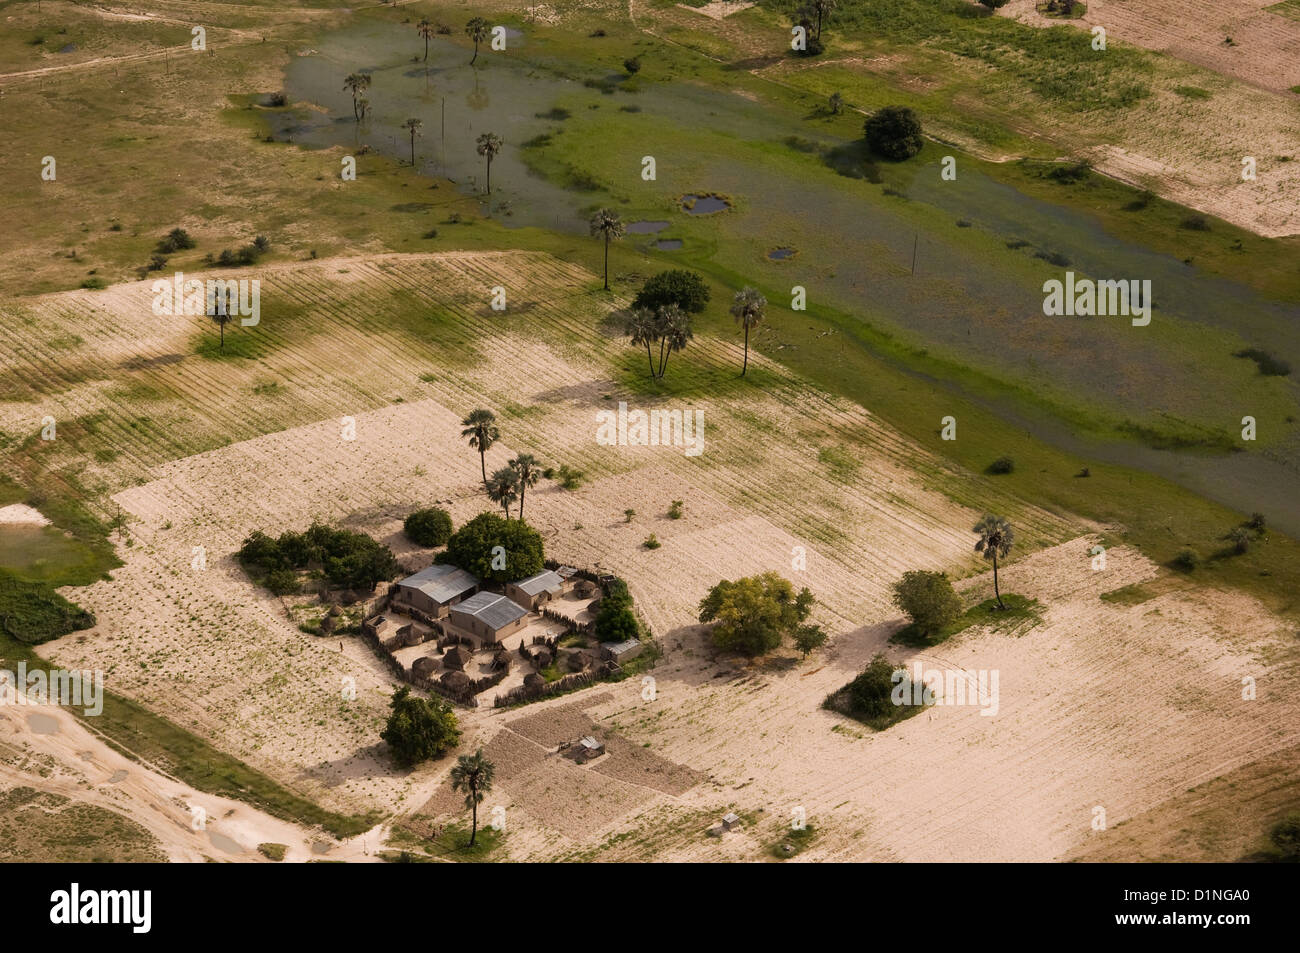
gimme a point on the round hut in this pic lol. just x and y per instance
(425, 667)
(533, 681)
(457, 682)
(456, 658)
(501, 661)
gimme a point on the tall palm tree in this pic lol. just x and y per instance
(477, 30)
(675, 326)
(489, 144)
(503, 487)
(473, 775)
(642, 327)
(425, 29)
(527, 471)
(481, 429)
(820, 10)
(221, 314)
(358, 83)
(748, 307)
(995, 539)
(412, 126)
(607, 223)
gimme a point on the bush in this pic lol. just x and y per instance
(632, 65)
(1195, 223)
(346, 559)
(1239, 539)
(471, 548)
(176, 240)
(879, 698)
(616, 622)
(1285, 836)
(1186, 560)
(754, 614)
(1002, 465)
(34, 612)
(809, 637)
(675, 511)
(928, 599)
(419, 729)
(1257, 522)
(651, 542)
(430, 527)
(894, 132)
(283, 582)
(676, 286)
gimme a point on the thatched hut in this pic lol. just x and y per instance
(579, 661)
(542, 657)
(534, 681)
(585, 589)
(457, 657)
(425, 667)
(454, 681)
(501, 661)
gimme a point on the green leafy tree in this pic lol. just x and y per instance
(748, 307)
(894, 132)
(472, 548)
(428, 527)
(995, 541)
(809, 637)
(472, 775)
(419, 729)
(357, 83)
(929, 600)
(489, 146)
(616, 622)
(676, 286)
(835, 104)
(754, 614)
(503, 487)
(477, 29)
(480, 427)
(607, 224)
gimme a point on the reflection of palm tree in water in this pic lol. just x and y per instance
(478, 98)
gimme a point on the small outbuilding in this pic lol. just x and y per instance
(425, 667)
(730, 821)
(621, 651)
(535, 591)
(589, 747)
(501, 661)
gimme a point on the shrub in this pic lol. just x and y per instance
(928, 599)
(1239, 539)
(652, 542)
(429, 527)
(676, 286)
(283, 582)
(894, 132)
(1257, 522)
(471, 548)
(632, 65)
(569, 478)
(1285, 836)
(1195, 223)
(345, 558)
(628, 514)
(1002, 465)
(419, 729)
(176, 240)
(880, 696)
(809, 637)
(1186, 560)
(675, 511)
(754, 614)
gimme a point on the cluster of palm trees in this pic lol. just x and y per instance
(509, 483)
(668, 327)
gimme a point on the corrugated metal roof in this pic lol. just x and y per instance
(492, 610)
(441, 583)
(548, 580)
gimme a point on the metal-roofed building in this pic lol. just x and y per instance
(434, 590)
(489, 616)
(536, 590)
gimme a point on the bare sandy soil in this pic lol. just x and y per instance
(1102, 704)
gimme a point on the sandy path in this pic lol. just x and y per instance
(89, 770)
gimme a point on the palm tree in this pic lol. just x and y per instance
(527, 472)
(473, 775)
(358, 83)
(820, 10)
(642, 327)
(425, 29)
(607, 223)
(489, 144)
(675, 328)
(221, 314)
(747, 308)
(481, 429)
(503, 487)
(477, 30)
(995, 539)
(413, 126)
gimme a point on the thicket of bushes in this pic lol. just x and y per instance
(345, 559)
(33, 612)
